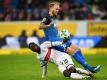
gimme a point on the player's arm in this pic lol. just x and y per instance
(43, 24)
(51, 44)
(44, 68)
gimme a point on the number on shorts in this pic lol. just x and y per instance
(65, 61)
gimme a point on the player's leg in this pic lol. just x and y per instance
(75, 52)
(68, 73)
(82, 71)
(66, 67)
(67, 62)
(71, 72)
(77, 55)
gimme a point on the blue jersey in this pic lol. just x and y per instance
(51, 33)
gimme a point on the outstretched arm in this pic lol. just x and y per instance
(51, 44)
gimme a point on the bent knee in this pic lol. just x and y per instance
(72, 69)
(67, 73)
(74, 47)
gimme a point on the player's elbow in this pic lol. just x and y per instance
(40, 27)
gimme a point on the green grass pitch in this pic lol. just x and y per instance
(26, 67)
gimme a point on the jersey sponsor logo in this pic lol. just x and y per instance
(55, 25)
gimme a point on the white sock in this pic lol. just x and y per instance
(76, 76)
(82, 71)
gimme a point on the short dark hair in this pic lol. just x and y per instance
(51, 4)
(32, 45)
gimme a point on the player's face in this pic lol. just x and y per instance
(37, 48)
(56, 9)
(34, 47)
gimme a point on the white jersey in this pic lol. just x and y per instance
(56, 56)
(61, 59)
(54, 53)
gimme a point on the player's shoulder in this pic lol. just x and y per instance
(47, 19)
(47, 16)
(44, 44)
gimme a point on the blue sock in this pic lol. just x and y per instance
(80, 59)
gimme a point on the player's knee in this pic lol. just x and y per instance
(78, 49)
(67, 73)
(72, 69)
(70, 51)
(75, 47)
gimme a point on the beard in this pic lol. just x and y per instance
(54, 14)
(38, 50)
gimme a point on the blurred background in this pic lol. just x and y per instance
(19, 20)
(85, 19)
(34, 10)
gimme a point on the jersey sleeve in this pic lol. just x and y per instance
(47, 20)
(51, 44)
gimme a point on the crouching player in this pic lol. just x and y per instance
(61, 59)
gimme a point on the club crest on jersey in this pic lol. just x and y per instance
(55, 25)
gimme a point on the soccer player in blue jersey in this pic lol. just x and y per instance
(50, 29)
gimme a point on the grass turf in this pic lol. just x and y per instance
(26, 67)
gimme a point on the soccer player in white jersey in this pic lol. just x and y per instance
(65, 64)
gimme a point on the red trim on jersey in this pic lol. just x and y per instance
(47, 57)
